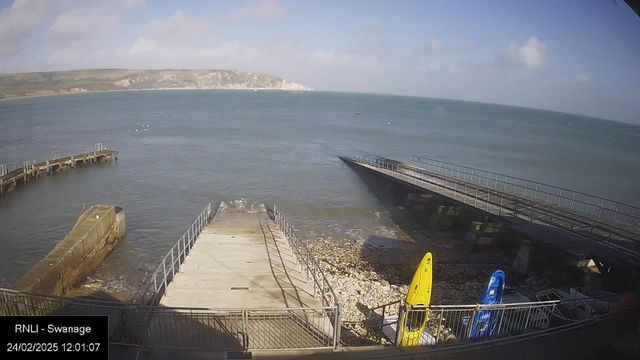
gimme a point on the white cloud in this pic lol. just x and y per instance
(178, 27)
(76, 25)
(432, 48)
(532, 53)
(143, 45)
(584, 78)
(17, 22)
(262, 9)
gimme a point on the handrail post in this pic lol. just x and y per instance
(164, 268)
(143, 327)
(600, 210)
(245, 329)
(439, 326)
(471, 320)
(173, 272)
(399, 327)
(560, 197)
(475, 198)
(337, 327)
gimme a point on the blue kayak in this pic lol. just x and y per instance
(484, 320)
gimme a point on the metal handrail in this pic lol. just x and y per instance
(534, 187)
(164, 274)
(305, 257)
(134, 323)
(394, 166)
(457, 351)
(29, 165)
(519, 208)
(629, 235)
(321, 284)
(514, 315)
(508, 319)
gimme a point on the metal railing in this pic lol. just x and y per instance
(312, 269)
(570, 341)
(170, 265)
(451, 324)
(590, 204)
(296, 328)
(239, 329)
(188, 328)
(504, 204)
(144, 323)
(124, 318)
(55, 156)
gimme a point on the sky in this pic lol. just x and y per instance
(577, 56)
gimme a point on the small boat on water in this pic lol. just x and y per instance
(158, 112)
(357, 113)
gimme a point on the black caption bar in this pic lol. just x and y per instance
(41, 337)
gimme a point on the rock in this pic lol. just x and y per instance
(383, 277)
(93, 285)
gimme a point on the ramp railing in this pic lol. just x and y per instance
(504, 204)
(321, 285)
(170, 265)
(306, 328)
(607, 209)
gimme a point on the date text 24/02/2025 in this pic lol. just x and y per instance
(52, 347)
(71, 335)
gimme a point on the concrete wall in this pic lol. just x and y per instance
(94, 235)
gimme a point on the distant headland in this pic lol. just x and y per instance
(92, 80)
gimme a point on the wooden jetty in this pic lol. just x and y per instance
(31, 170)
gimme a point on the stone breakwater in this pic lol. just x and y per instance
(366, 275)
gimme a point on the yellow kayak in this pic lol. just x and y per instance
(419, 294)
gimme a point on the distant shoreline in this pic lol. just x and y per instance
(157, 89)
